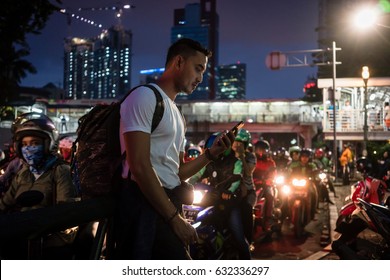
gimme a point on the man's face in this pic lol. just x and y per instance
(295, 156)
(191, 70)
(31, 141)
(238, 147)
(304, 159)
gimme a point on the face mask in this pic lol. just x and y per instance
(33, 155)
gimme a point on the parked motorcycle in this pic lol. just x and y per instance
(298, 204)
(369, 189)
(215, 241)
(370, 216)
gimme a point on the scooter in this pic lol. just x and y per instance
(369, 189)
(370, 216)
(259, 211)
(214, 238)
(298, 203)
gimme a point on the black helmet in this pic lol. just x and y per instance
(306, 152)
(363, 165)
(262, 144)
(39, 125)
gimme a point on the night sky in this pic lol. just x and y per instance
(248, 31)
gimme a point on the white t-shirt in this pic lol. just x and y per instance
(167, 140)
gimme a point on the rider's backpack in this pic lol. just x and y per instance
(96, 161)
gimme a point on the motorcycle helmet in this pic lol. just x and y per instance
(244, 136)
(281, 153)
(193, 152)
(363, 165)
(319, 153)
(306, 152)
(262, 144)
(39, 125)
(294, 149)
(210, 141)
(262, 149)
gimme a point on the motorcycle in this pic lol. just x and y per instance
(215, 241)
(369, 216)
(322, 179)
(259, 211)
(298, 204)
(369, 189)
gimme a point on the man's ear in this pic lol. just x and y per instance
(179, 61)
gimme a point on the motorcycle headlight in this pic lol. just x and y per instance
(322, 176)
(279, 180)
(198, 196)
(299, 182)
(286, 189)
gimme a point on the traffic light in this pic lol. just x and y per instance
(312, 92)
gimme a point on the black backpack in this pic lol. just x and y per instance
(97, 159)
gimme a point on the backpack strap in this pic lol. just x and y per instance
(159, 109)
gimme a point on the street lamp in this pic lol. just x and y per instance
(365, 76)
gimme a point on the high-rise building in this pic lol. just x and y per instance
(231, 81)
(199, 21)
(78, 68)
(150, 75)
(98, 68)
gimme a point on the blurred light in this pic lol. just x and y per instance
(365, 73)
(366, 18)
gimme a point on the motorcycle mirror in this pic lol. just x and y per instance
(29, 198)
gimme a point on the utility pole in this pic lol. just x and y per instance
(303, 58)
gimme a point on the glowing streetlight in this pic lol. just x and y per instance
(366, 18)
(365, 77)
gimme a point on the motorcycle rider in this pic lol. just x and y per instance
(263, 176)
(282, 158)
(294, 154)
(240, 147)
(45, 174)
(322, 163)
(215, 173)
(307, 169)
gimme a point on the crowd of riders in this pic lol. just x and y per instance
(37, 149)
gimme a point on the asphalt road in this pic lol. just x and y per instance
(315, 244)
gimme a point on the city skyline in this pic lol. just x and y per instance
(257, 29)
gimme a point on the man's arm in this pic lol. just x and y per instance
(188, 169)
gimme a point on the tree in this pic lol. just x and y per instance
(17, 19)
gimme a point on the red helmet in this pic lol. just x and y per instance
(319, 153)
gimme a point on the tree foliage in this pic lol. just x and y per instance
(18, 18)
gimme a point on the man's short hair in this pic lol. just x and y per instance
(186, 47)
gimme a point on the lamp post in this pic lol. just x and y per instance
(365, 76)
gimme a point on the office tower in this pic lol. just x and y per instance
(112, 67)
(199, 21)
(78, 68)
(150, 75)
(98, 68)
(231, 81)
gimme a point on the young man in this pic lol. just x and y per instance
(150, 210)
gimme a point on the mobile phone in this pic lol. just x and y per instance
(237, 127)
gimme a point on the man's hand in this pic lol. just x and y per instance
(184, 230)
(222, 143)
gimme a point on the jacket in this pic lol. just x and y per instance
(55, 184)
